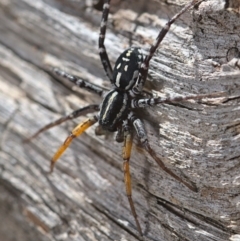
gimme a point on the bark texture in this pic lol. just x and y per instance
(84, 199)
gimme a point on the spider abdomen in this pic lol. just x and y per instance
(126, 69)
(113, 110)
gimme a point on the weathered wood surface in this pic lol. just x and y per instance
(84, 199)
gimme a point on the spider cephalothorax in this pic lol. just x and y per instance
(114, 110)
(117, 110)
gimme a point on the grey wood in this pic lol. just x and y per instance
(84, 199)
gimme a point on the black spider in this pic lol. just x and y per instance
(116, 112)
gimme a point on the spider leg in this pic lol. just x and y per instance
(127, 147)
(142, 135)
(80, 82)
(99, 131)
(77, 131)
(102, 50)
(120, 135)
(82, 111)
(147, 102)
(144, 67)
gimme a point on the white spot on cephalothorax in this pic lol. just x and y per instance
(126, 67)
(123, 106)
(140, 56)
(140, 51)
(118, 79)
(119, 65)
(125, 59)
(109, 104)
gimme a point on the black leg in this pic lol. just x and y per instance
(143, 103)
(80, 82)
(144, 67)
(80, 112)
(142, 135)
(102, 50)
(120, 135)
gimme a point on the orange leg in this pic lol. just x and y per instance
(128, 139)
(77, 131)
(82, 111)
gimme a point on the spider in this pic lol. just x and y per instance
(116, 113)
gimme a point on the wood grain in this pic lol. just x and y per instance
(84, 199)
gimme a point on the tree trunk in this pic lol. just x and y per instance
(84, 198)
